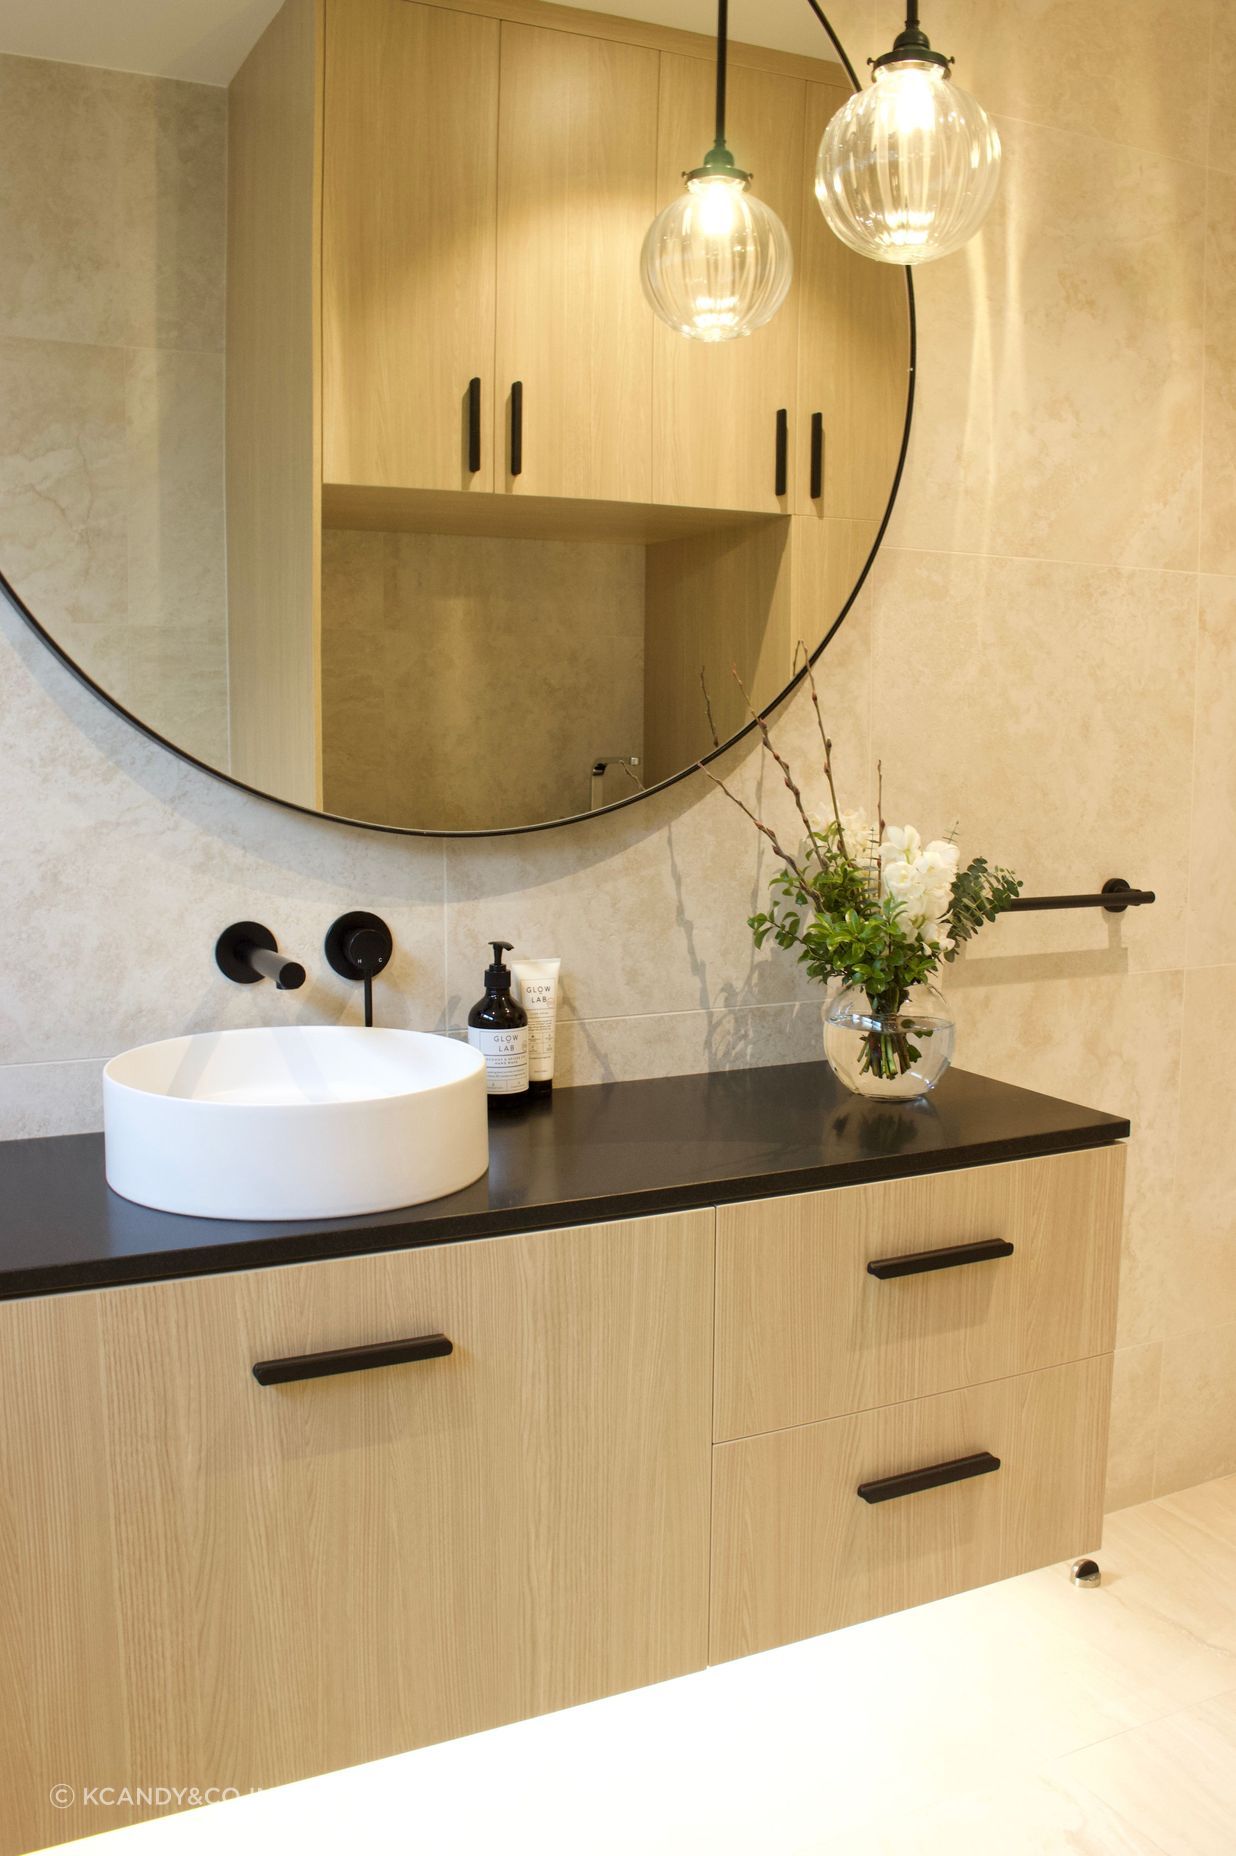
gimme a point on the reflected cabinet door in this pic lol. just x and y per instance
(853, 353)
(409, 190)
(718, 405)
(576, 193)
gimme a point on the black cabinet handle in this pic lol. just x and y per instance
(817, 456)
(888, 1488)
(783, 449)
(919, 1261)
(474, 424)
(517, 427)
(351, 1359)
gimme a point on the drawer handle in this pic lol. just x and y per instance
(351, 1359)
(888, 1488)
(782, 460)
(517, 428)
(919, 1261)
(474, 424)
(817, 456)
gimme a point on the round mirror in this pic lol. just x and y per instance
(339, 446)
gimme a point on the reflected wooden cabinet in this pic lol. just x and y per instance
(410, 151)
(718, 404)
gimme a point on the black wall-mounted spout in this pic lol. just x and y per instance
(358, 946)
(247, 952)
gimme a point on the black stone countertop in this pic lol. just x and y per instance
(582, 1156)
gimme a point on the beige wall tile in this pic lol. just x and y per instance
(1135, 76)
(1111, 1041)
(615, 1050)
(1050, 713)
(1201, 1289)
(1218, 549)
(1212, 873)
(113, 210)
(1060, 384)
(1197, 1409)
(38, 1099)
(1134, 1426)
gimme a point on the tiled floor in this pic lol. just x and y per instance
(1029, 1719)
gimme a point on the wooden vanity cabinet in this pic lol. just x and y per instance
(206, 1581)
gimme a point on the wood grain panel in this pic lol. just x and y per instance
(796, 1552)
(525, 518)
(410, 213)
(716, 403)
(853, 353)
(576, 193)
(209, 1582)
(273, 442)
(654, 35)
(804, 1332)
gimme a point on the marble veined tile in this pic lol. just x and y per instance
(1174, 1778)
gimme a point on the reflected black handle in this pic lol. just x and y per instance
(920, 1261)
(817, 456)
(351, 1359)
(888, 1488)
(783, 449)
(517, 427)
(474, 424)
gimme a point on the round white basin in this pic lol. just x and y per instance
(305, 1121)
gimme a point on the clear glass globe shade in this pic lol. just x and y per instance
(908, 170)
(717, 262)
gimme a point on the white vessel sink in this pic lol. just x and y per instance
(315, 1121)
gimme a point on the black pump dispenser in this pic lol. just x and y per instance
(498, 1028)
(498, 975)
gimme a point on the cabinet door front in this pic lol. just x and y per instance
(409, 208)
(289, 1578)
(853, 332)
(576, 192)
(717, 405)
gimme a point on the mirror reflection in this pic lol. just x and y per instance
(338, 442)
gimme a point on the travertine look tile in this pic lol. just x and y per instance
(38, 1099)
(1134, 1425)
(1197, 1408)
(1111, 1041)
(1201, 1289)
(1218, 551)
(1173, 1778)
(1135, 76)
(1049, 712)
(112, 215)
(1212, 874)
(63, 504)
(616, 1050)
(1060, 383)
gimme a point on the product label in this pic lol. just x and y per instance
(506, 1058)
(537, 999)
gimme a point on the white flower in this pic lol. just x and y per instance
(900, 842)
(860, 837)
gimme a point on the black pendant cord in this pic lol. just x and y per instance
(838, 47)
(723, 41)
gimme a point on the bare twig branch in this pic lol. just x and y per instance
(712, 726)
(789, 862)
(828, 746)
(792, 785)
(880, 797)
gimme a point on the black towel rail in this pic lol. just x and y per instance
(1116, 896)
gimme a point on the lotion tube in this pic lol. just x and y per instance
(536, 989)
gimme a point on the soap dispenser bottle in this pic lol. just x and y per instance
(498, 1028)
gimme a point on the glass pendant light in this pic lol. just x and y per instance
(908, 169)
(717, 262)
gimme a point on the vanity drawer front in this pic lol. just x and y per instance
(805, 1331)
(265, 1579)
(797, 1551)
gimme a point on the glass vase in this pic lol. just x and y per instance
(888, 1052)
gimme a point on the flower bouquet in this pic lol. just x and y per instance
(870, 905)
